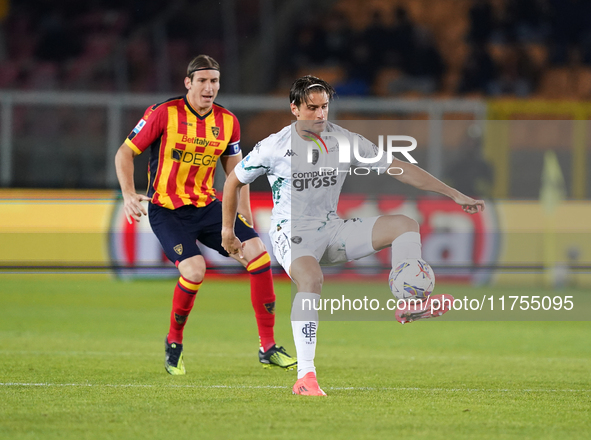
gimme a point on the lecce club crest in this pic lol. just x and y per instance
(215, 131)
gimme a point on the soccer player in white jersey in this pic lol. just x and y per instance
(305, 229)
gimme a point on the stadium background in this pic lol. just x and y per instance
(498, 94)
(488, 87)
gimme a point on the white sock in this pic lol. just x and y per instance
(304, 324)
(407, 245)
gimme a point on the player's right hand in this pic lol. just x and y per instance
(469, 205)
(231, 243)
(133, 208)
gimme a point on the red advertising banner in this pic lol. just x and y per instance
(453, 241)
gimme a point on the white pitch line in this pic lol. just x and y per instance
(255, 387)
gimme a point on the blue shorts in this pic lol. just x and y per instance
(179, 229)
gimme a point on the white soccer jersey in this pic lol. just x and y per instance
(304, 191)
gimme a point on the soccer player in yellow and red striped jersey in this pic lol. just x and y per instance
(186, 137)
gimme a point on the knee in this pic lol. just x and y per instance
(311, 283)
(307, 274)
(399, 224)
(408, 224)
(193, 271)
(253, 248)
(389, 227)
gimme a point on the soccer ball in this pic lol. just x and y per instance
(412, 278)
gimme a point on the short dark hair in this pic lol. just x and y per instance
(304, 86)
(202, 62)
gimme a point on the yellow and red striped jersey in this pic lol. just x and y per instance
(184, 149)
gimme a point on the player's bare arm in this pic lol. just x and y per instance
(228, 163)
(132, 201)
(421, 179)
(230, 242)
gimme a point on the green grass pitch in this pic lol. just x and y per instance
(81, 357)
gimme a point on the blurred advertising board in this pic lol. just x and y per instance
(507, 243)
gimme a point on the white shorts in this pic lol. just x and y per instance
(331, 243)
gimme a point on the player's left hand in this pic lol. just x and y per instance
(469, 205)
(231, 243)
